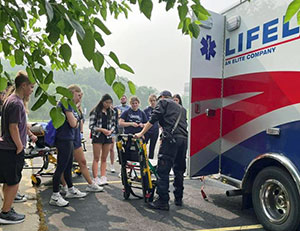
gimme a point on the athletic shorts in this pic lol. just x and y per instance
(77, 142)
(102, 139)
(11, 166)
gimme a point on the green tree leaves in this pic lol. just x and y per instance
(131, 87)
(100, 24)
(113, 56)
(88, 45)
(76, 26)
(24, 41)
(64, 92)
(98, 60)
(19, 57)
(49, 10)
(182, 11)
(126, 68)
(119, 89)
(187, 24)
(146, 7)
(57, 116)
(109, 75)
(43, 98)
(292, 9)
(3, 83)
(5, 46)
(65, 52)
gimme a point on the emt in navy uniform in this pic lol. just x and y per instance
(168, 112)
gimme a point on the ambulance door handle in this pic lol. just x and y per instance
(210, 112)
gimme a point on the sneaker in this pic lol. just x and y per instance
(20, 198)
(96, 180)
(103, 181)
(112, 169)
(75, 193)
(158, 204)
(58, 200)
(171, 172)
(94, 188)
(11, 217)
(63, 190)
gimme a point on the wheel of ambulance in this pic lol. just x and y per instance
(35, 180)
(276, 200)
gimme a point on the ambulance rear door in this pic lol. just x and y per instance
(206, 97)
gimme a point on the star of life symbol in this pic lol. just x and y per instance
(208, 47)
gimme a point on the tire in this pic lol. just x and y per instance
(126, 195)
(144, 176)
(78, 173)
(126, 190)
(145, 186)
(36, 182)
(275, 200)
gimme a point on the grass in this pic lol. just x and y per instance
(43, 225)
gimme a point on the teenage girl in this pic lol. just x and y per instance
(102, 125)
(78, 150)
(133, 119)
(64, 142)
(152, 133)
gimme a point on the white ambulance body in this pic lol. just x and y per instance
(245, 107)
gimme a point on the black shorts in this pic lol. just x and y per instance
(11, 166)
(102, 139)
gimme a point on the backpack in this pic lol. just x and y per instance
(50, 134)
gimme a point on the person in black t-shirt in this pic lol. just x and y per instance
(172, 151)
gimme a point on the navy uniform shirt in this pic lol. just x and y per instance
(154, 128)
(65, 132)
(133, 116)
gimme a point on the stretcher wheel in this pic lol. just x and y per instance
(126, 190)
(145, 178)
(77, 172)
(126, 194)
(35, 181)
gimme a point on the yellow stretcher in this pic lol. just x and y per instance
(136, 169)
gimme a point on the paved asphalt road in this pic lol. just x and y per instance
(109, 211)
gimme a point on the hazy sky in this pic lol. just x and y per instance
(156, 50)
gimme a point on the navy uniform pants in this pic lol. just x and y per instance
(171, 155)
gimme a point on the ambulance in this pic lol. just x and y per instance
(245, 108)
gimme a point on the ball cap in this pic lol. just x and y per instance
(165, 93)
